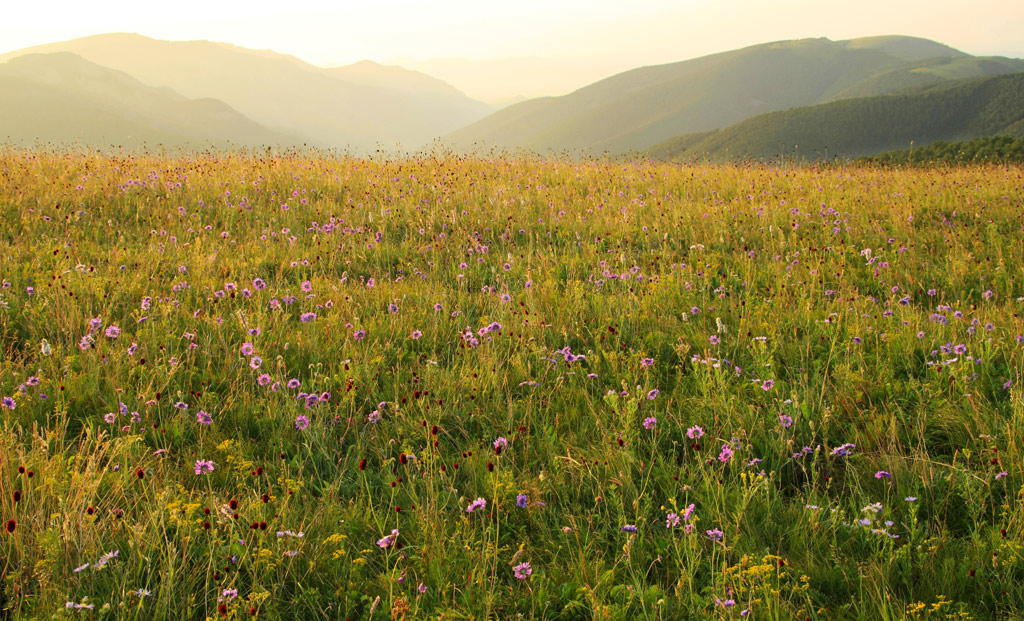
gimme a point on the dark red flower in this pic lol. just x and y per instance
(11, 525)
(140, 473)
(17, 495)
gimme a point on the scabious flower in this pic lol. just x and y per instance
(714, 340)
(646, 362)
(628, 528)
(247, 349)
(523, 570)
(726, 453)
(785, 420)
(255, 362)
(882, 474)
(650, 422)
(203, 418)
(501, 442)
(767, 384)
(479, 503)
(112, 332)
(307, 317)
(715, 534)
(203, 466)
(695, 433)
(652, 394)
(9, 403)
(415, 334)
(301, 422)
(522, 500)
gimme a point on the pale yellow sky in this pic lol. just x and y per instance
(599, 37)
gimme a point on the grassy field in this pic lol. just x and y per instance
(304, 387)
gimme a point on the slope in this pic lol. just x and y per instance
(337, 108)
(63, 98)
(951, 111)
(638, 108)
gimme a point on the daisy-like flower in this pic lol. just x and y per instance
(523, 570)
(203, 466)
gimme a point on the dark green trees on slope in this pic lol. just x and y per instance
(952, 111)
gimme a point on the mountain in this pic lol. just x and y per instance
(949, 111)
(639, 108)
(505, 81)
(359, 107)
(63, 98)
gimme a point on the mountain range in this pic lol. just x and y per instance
(360, 107)
(759, 101)
(637, 109)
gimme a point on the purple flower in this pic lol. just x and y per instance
(715, 534)
(301, 422)
(294, 383)
(785, 420)
(695, 433)
(247, 349)
(522, 500)
(501, 442)
(671, 520)
(646, 362)
(203, 418)
(767, 384)
(650, 422)
(523, 570)
(415, 334)
(628, 528)
(9, 403)
(255, 362)
(653, 393)
(359, 335)
(726, 454)
(422, 588)
(388, 540)
(203, 466)
(112, 332)
(307, 317)
(479, 503)
(882, 474)
(714, 340)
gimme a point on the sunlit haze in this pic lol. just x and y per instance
(584, 40)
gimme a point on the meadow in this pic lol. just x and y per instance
(312, 387)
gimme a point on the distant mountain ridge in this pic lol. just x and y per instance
(958, 110)
(63, 98)
(361, 106)
(639, 108)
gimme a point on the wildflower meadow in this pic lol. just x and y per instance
(307, 386)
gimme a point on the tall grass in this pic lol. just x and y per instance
(698, 392)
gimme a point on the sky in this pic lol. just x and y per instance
(589, 38)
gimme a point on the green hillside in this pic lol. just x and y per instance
(640, 108)
(361, 106)
(958, 110)
(62, 98)
(990, 149)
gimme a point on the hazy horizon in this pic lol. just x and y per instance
(461, 42)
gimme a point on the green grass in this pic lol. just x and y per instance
(751, 291)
